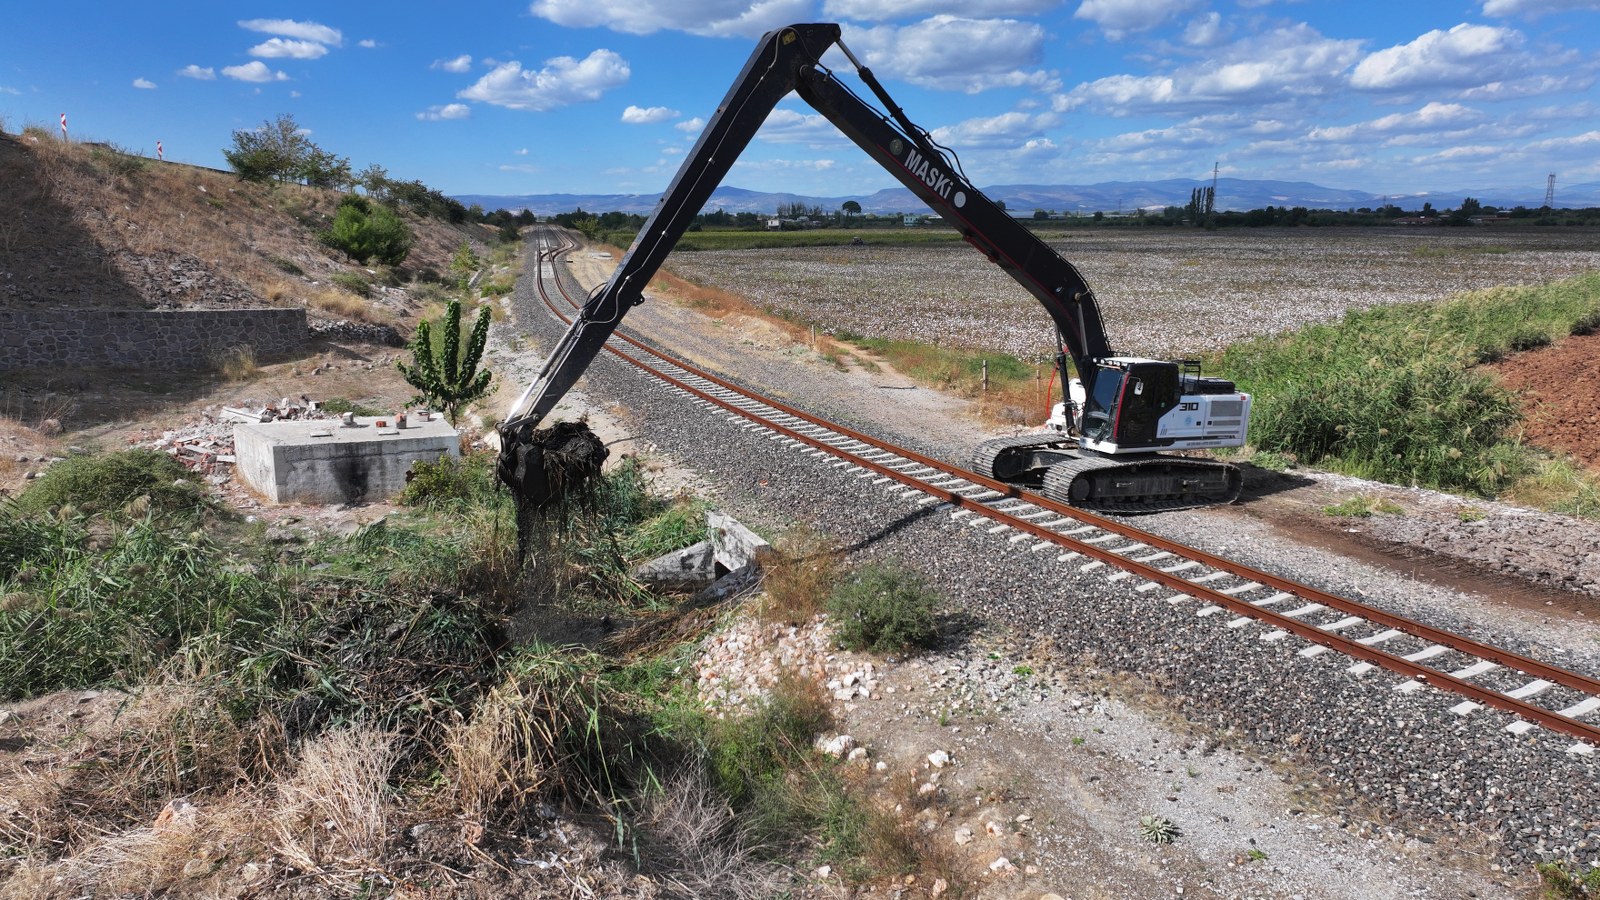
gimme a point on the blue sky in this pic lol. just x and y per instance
(605, 96)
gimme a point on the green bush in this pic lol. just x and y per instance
(364, 230)
(1392, 393)
(355, 284)
(450, 480)
(111, 481)
(884, 610)
(340, 405)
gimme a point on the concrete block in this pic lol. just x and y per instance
(324, 461)
(736, 546)
(691, 567)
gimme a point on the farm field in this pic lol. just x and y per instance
(1163, 292)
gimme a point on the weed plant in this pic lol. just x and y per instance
(798, 583)
(89, 483)
(1391, 393)
(884, 609)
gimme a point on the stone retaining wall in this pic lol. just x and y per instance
(144, 339)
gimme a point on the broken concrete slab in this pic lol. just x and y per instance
(737, 546)
(691, 567)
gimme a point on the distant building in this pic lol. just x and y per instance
(911, 220)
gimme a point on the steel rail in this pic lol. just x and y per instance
(1351, 647)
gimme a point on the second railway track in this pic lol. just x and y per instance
(1470, 675)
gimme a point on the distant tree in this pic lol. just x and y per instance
(1040, 214)
(364, 230)
(447, 376)
(850, 208)
(1462, 215)
(273, 151)
(526, 218)
(1001, 205)
(319, 168)
(375, 179)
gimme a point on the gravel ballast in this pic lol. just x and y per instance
(1405, 754)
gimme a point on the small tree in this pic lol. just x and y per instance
(448, 378)
(463, 264)
(851, 208)
(364, 230)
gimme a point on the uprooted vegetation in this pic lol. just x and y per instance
(269, 711)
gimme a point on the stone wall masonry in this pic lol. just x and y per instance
(144, 339)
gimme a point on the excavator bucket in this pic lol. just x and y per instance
(543, 466)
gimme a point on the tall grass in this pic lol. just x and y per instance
(1391, 393)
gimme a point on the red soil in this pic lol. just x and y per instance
(1560, 386)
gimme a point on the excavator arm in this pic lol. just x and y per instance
(789, 59)
(1166, 409)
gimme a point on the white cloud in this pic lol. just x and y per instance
(1118, 18)
(1206, 31)
(957, 54)
(279, 48)
(198, 73)
(254, 71)
(1277, 66)
(462, 63)
(716, 18)
(518, 167)
(877, 10)
(691, 125)
(368, 43)
(1465, 56)
(638, 115)
(307, 31)
(1531, 85)
(144, 84)
(522, 152)
(1432, 118)
(1007, 130)
(447, 111)
(1535, 8)
(7, 89)
(784, 165)
(786, 126)
(561, 82)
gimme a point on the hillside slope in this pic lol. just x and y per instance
(85, 226)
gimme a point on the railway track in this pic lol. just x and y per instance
(1478, 675)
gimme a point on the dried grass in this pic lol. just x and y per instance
(332, 814)
(797, 585)
(237, 363)
(696, 846)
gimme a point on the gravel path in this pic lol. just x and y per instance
(1405, 755)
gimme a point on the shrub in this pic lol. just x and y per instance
(236, 363)
(111, 481)
(355, 284)
(339, 406)
(450, 480)
(884, 610)
(363, 230)
(286, 265)
(798, 584)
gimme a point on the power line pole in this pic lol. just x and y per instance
(1550, 192)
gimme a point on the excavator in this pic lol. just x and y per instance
(1108, 444)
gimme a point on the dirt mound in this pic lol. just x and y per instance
(1560, 386)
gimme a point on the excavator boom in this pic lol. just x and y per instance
(790, 59)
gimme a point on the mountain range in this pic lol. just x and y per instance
(1108, 196)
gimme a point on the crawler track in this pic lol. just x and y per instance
(1173, 573)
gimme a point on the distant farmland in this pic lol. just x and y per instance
(1163, 292)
